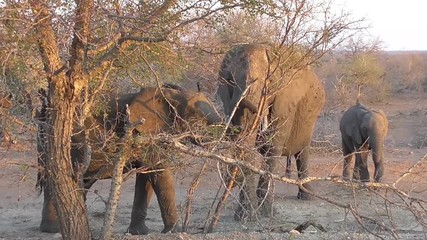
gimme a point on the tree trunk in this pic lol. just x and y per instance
(65, 86)
(68, 198)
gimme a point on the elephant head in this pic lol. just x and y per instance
(171, 107)
(363, 129)
(242, 78)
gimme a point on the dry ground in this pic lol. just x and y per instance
(406, 145)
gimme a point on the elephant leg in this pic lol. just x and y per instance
(50, 222)
(288, 166)
(348, 159)
(248, 199)
(240, 212)
(142, 197)
(302, 167)
(363, 164)
(164, 187)
(265, 190)
(357, 166)
(379, 170)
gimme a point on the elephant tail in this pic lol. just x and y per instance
(359, 88)
(41, 161)
(41, 118)
(40, 182)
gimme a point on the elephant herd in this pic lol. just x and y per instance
(274, 99)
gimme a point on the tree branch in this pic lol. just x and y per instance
(48, 45)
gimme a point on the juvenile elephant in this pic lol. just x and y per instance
(166, 109)
(362, 130)
(257, 82)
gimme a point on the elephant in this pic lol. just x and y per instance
(166, 109)
(362, 130)
(258, 82)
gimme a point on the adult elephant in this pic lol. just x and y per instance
(362, 130)
(166, 109)
(277, 89)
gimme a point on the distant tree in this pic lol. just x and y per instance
(360, 71)
(407, 71)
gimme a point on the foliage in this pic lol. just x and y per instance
(363, 70)
(406, 71)
(355, 72)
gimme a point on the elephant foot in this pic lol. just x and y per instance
(304, 196)
(303, 193)
(243, 214)
(346, 179)
(365, 180)
(239, 214)
(268, 210)
(170, 228)
(49, 226)
(138, 229)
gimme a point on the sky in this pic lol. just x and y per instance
(400, 24)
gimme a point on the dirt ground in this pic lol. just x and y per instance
(375, 211)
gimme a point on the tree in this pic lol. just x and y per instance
(359, 68)
(406, 71)
(83, 44)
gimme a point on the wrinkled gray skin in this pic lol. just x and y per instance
(153, 106)
(291, 114)
(363, 129)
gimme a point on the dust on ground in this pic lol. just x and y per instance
(376, 210)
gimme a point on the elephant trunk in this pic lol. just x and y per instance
(214, 118)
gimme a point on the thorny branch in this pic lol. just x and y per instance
(175, 142)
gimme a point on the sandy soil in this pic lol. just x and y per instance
(406, 145)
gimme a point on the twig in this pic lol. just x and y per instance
(410, 170)
(222, 201)
(190, 193)
(121, 159)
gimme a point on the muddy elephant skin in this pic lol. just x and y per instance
(362, 130)
(294, 98)
(168, 109)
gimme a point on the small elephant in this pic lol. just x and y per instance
(293, 99)
(165, 109)
(362, 130)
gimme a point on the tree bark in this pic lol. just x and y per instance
(64, 91)
(68, 198)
